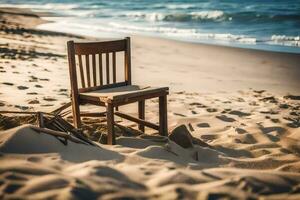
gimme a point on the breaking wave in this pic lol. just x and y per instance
(177, 17)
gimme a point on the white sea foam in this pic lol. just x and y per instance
(148, 16)
(285, 40)
(156, 16)
(60, 8)
(214, 14)
(47, 6)
(180, 6)
(185, 33)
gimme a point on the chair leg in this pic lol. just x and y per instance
(76, 113)
(141, 105)
(163, 116)
(110, 124)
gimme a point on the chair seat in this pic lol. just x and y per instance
(124, 93)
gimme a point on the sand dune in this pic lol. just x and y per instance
(39, 166)
(227, 141)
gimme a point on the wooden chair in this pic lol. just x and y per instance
(110, 94)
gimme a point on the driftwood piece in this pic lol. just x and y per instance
(64, 135)
(54, 123)
(60, 109)
(40, 120)
(20, 112)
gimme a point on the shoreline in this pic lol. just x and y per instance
(227, 43)
(267, 48)
(230, 44)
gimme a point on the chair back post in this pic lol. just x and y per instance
(73, 83)
(128, 62)
(72, 67)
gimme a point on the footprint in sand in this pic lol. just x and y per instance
(14, 177)
(272, 112)
(194, 112)
(259, 91)
(44, 79)
(203, 125)
(49, 99)
(275, 120)
(7, 83)
(253, 103)
(208, 137)
(32, 93)
(33, 79)
(211, 110)
(225, 118)
(47, 105)
(239, 113)
(63, 94)
(34, 101)
(240, 131)
(46, 70)
(246, 139)
(270, 99)
(12, 187)
(34, 159)
(294, 113)
(147, 173)
(198, 105)
(178, 114)
(295, 123)
(22, 87)
(38, 86)
(195, 104)
(284, 106)
(273, 130)
(22, 107)
(239, 99)
(292, 97)
(63, 90)
(2, 104)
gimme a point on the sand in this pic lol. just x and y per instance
(241, 143)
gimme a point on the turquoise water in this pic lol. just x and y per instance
(258, 24)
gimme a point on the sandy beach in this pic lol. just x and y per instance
(234, 122)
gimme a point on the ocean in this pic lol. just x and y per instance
(258, 24)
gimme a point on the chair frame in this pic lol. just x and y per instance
(107, 47)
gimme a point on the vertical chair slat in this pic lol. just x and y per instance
(81, 71)
(100, 69)
(127, 62)
(114, 67)
(87, 63)
(107, 68)
(94, 69)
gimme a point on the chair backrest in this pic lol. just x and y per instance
(96, 64)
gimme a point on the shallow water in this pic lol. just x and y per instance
(258, 24)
